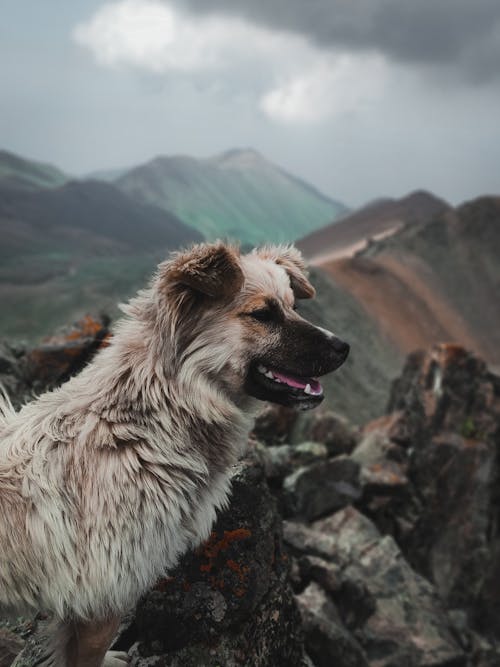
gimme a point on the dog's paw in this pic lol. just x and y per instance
(115, 659)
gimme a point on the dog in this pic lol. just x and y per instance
(106, 481)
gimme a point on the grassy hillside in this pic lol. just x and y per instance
(238, 195)
(69, 289)
(78, 248)
(18, 172)
(84, 216)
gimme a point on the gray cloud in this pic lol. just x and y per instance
(461, 34)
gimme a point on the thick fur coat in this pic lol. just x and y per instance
(107, 480)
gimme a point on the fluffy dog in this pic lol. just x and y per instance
(107, 480)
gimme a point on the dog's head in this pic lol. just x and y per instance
(232, 319)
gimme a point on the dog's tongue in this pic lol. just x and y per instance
(298, 382)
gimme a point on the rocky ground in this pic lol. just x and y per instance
(342, 547)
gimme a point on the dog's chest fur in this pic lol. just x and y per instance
(132, 487)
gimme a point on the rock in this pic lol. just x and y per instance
(327, 427)
(327, 575)
(383, 476)
(302, 539)
(450, 404)
(394, 613)
(230, 601)
(273, 424)
(60, 356)
(280, 460)
(322, 487)
(327, 640)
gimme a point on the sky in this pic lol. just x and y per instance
(363, 99)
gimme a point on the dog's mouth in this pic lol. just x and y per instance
(281, 386)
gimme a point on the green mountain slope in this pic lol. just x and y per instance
(237, 195)
(74, 249)
(18, 172)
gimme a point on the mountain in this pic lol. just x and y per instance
(435, 281)
(85, 216)
(375, 220)
(21, 173)
(238, 194)
(77, 248)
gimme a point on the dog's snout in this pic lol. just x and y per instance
(340, 347)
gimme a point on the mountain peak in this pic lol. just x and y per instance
(239, 157)
(238, 194)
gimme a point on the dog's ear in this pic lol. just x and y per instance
(292, 261)
(212, 269)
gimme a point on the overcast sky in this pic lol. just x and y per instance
(362, 98)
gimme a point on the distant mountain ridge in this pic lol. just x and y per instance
(374, 220)
(434, 280)
(392, 276)
(80, 247)
(84, 216)
(19, 172)
(238, 194)
(68, 246)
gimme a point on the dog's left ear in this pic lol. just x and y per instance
(209, 268)
(292, 261)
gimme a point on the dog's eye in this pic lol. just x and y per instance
(262, 315)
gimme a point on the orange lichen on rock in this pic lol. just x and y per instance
(240, 570)
(214, 546)
(213, 549)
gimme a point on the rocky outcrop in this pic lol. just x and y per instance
(341, 548)
(394, 613)
(448, 524)
(27, 371)
(229, 602)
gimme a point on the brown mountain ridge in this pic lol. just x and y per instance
(428, 282)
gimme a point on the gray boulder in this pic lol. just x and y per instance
(323, 487)
(399, 619)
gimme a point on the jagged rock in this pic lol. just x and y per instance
(404, 622)
(64, 354)
(383, 476)
(303, 539)
(331, 429)
(327, 640)
(322, 487)
(230, 601)
(280, 460)
(327, 575)
(450, 403)
(273, 424)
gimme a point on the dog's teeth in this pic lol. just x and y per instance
(307, 389)
(269, 375)
(261, 368)
(277, 380)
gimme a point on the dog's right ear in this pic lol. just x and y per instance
(212, 269)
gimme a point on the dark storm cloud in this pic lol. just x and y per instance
(464, 34)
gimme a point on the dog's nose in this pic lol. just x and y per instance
(341, 348)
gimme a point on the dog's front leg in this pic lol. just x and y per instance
(89, 645)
